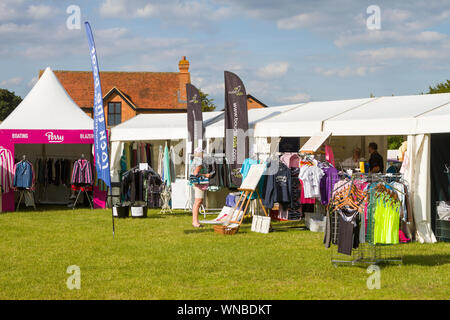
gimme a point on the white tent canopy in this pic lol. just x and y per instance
(162, 126)
(435, 121)
(48, 106)
(305, 119)
(215, 128)
(387, 116)
(400, 115)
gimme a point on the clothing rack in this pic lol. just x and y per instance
(367, 253)
(380, 178)
(57, 157)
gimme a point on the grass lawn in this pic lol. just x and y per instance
(163, 257)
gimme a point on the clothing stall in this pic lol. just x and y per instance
(353, 123)
(50, 132)
(360, 121)
(143, 139)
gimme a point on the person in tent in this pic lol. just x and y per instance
(353, 161)
(376, 161)
(198, 169)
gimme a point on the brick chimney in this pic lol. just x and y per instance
(184, 77)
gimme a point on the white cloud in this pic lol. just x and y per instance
(39, 12)
(346, 71)
(195, 14)
(382, 55)
(273, 70)
(32, 82)
(147, 11)
(300, 21)
(11, 82)
(389, 36)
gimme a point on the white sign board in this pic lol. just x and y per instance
(254, 175)
(315, 142)
(179, 196)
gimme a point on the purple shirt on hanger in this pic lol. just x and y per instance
(327, 183)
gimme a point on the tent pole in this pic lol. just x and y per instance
(112, 211)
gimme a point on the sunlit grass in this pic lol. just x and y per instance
(163, 257)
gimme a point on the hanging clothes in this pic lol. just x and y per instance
(386, 220)
(166, 167)
(57, 170)
(82, 172)
(148, 152)
(141, 185)
(134, 160)
(277, 186)
(349, 223)
(173, 173)
(311, 176)
(24, 175)
(303, 199)
(49, 171)
(143, 153)
(123, 163)
(138, 153)
(6, 169)
(329, 155)
(295, 189)
(291, 160)
(127, 151)
(327, 182)
(160, 161)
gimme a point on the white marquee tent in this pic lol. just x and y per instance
(48, 106)
(415, 116)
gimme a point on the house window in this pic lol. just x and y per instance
(114, 113)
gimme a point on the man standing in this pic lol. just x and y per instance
(376, 162)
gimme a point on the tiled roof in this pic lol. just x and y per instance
(145, 90)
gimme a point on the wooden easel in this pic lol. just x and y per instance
(248, 187)
(245, 199)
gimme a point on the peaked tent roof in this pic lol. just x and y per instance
(48, 106)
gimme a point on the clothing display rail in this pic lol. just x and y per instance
(141, 187)
(364, 220)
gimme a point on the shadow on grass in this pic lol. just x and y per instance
(199, 230)
(46, 208)
(426, 260)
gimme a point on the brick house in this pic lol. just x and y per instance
(127, 94)
(253, 103)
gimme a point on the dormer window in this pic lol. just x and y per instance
(114, 113)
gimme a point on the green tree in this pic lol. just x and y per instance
(8, 102)
(442, 87)
(394, 142)
(207, 103)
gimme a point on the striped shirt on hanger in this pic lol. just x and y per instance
(6, 169)
(82, 172)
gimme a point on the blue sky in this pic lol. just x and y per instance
(285, 51)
